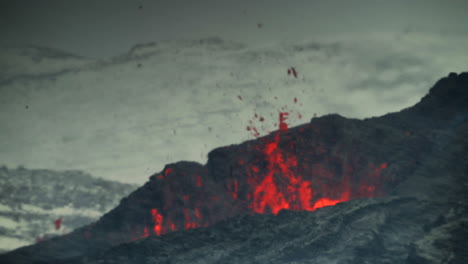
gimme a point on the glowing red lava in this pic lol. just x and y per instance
(282, 187)
(158, 221)
(278, 178)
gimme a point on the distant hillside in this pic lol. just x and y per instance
(37, 204)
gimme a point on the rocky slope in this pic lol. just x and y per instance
(39, 204)
(399, 183)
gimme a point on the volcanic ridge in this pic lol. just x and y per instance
(389, 189)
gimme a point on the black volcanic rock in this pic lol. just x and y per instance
(404, 176)
(360, 231)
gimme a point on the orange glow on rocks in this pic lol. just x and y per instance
(199, 181)
(189, 223)
(167, 171)
(197, 214)
(145, 232)
(281, 187)
(280, 171)
(326, 202)
(233, 188)
(172, 225)
(158, 221)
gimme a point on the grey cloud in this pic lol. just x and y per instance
(84, 118)
(398, 61)
(398, 78)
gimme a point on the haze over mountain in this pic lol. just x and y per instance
(124, 117)
(389, 189)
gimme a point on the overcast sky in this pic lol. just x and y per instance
(124, 118)
(106, 28)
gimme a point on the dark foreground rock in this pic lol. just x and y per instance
(390, 230)
(399, 182)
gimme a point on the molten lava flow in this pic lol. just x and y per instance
(199, 181)
(326, 202)
(233, 188)
(189, 223)
(158, 221)
(277, 177)
(281, 188)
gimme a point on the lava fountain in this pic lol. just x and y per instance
(281, 171)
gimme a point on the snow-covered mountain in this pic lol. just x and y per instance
(39, 204)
